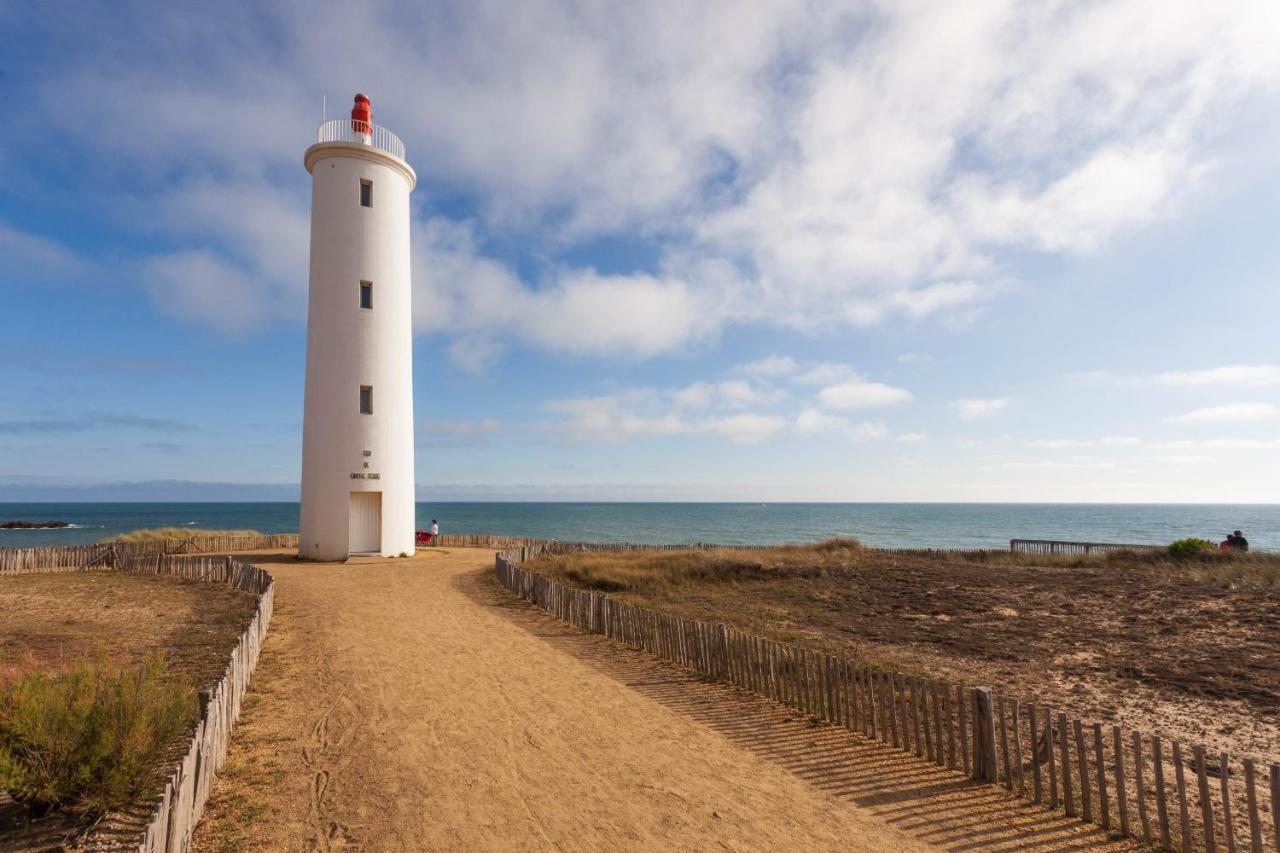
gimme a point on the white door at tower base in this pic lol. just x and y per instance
(365, 522)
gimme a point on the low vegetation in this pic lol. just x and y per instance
(1157, 640)
(155, 534)
(640, 571)
(92, 735)
(653, 571)
(1191, 549)
(69, 717)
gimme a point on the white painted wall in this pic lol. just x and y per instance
(348, 346)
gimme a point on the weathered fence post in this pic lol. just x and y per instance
(984, 736)
(1275, 802)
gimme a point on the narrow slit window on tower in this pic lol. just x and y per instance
(366, 193)
(366, 399)
(366, 294)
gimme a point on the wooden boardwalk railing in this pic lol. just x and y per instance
(178, 808)
(1126, 781)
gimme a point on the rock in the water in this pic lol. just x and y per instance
(31, 525)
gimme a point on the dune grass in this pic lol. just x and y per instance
(1252, 568)
(154, 534)
(648, 572)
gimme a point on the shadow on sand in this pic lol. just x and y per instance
(938, 806)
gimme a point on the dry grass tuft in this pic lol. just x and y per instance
(1231, 568)
(651, 571)
(155, 534)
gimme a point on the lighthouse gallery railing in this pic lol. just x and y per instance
(361, 133)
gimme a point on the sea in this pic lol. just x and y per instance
(896, 525)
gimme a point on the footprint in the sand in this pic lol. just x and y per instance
(335, 837)
(330, 738)
(321, 785)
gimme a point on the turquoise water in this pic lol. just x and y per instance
(882, 524)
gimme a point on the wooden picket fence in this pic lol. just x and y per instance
(13, 560)
(488, 540)
(1130, 783)
(485, 540)
(178, 808)
(1054, 546)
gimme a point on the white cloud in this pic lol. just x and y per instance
(737, 409)
(940, 298)
(1239, 413)
(746, 428)
(976, 408)
(733, 393)
(1094, 376)
(459, 433)
(812, 422)
(869, 430)
(592, 314)
(913, 438)
(816, 422)
(475, 354)
(458, 291)
(826, 373)
(771, 367)
(1075, 443)
(1060, 443)
(842, 388)
(1224, 444)
(1054, 465)
(825, 164)
(1226, 376)
(861, 394)
(1237, 375)
(1117, 187)
(202, 286)
(615, 418)
(36, 254)
(645, 413)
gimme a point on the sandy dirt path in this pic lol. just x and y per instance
(415, 705)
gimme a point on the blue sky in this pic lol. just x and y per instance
(832, 251)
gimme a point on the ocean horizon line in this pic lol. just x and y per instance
(623, 502)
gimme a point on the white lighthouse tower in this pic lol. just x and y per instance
(357, 428)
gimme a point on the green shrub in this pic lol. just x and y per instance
(1191, 548)
(93, 735)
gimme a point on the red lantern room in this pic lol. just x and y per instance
(362, 114)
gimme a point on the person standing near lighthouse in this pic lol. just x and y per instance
(357, 428)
